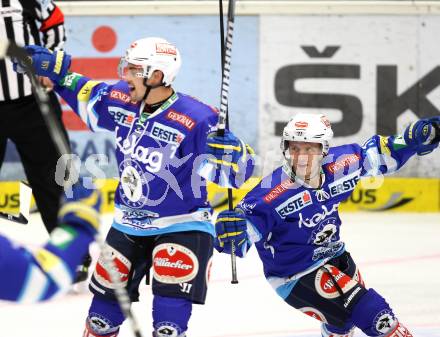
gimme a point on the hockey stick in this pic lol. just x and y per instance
(223, 120)
(25, 205)
(8, 48)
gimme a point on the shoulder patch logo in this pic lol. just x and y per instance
(182, 119)
(343, 163)
(278, 190)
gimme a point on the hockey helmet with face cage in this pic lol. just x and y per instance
(309, 128)
(151, 54)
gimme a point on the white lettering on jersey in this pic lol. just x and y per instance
(348, 183)
(151, 159)
(318, 217)
(121, 116)
(294, 204)
(166, 134)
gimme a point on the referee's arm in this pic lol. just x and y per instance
(52, 24)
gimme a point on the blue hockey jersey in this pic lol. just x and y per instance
(157, 155)
(37, 275)
(296, 228)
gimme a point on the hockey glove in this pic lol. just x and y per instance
(230, 228)
(82, 208)
(47, 63)
(423, 135)
(226, 151)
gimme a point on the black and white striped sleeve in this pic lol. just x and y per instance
(52, 24)
(13, 28)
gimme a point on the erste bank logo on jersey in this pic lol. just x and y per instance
(348, 183)
(294, 204)
(164, 133)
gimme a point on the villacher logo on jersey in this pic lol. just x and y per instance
(165, 262)
(174, 263)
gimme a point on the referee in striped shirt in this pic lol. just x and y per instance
(31, 22)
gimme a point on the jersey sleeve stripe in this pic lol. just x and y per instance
(34, 286)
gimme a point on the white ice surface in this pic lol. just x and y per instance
(398, 255)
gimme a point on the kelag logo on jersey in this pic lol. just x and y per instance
(346, 184)
(166, 134)
(294, 204)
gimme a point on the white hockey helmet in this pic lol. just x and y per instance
(151, 54)
(308, 127)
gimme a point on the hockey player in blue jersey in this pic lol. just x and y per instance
(41, 274)
(162, 217)
(292, 218)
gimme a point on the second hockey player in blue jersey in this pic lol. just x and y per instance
(292, 218)
(162, 216)
(42, 274)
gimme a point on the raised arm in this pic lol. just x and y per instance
(229, 161)
(87, 98)
(383, 155)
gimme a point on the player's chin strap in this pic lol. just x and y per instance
(149, 88)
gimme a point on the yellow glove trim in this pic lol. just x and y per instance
(81, 211)
(225, 147)
(227, 235)
(410, 131)
(58, 62)
(229, 219)
(250, 150)
(224, 163)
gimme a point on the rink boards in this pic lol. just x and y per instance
(390, 194)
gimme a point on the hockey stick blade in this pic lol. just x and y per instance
(25, 205)
(21, 219)
(25, 199)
